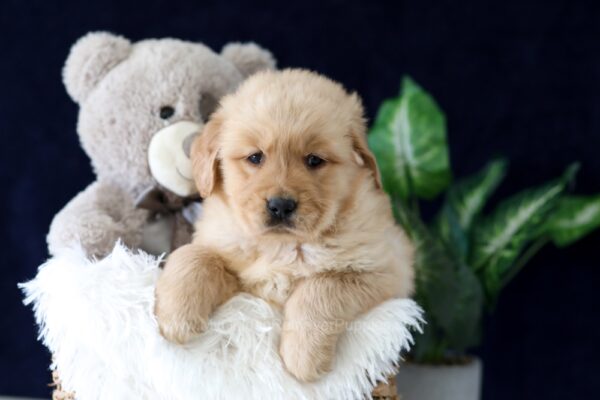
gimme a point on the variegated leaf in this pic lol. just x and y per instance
(409, 140)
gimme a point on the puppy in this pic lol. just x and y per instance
(294, 213)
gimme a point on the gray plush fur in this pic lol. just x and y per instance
(120, 87)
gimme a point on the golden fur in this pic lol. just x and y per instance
(343, 253)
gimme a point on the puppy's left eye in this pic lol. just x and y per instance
(255, 158)
(313, 161)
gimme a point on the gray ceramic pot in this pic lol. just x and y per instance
(428, 382)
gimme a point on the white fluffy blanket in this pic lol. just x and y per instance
(96, 318)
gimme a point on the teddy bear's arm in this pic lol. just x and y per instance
(96, 219)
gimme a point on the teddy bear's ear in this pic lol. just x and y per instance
(248, 57)
(90, 59)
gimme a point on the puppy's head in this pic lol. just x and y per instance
(287, 152)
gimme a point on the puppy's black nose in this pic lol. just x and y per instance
(281, 208)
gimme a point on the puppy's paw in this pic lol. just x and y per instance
(177, 332)
(307, 356)
(192, 285)
(180, 326)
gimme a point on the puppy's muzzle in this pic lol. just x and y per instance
(281, 209)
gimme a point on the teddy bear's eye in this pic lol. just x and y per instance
(208, 104)
(166, 112)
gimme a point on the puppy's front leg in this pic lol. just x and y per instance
(318, 311)
(193, 284)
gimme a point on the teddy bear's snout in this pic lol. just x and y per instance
(169, 157)
(187, 143)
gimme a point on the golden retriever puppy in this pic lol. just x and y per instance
(294, 213)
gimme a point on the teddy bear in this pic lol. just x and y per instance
(140, 106)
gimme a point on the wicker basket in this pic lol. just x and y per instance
(386, 390)
(58, 393)
(383, 391)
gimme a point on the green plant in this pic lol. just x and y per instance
(464, 257)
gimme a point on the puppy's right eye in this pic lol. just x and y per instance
(255, 158)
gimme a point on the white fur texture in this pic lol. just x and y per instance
(96, 318)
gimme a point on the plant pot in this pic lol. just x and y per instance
(440, 382)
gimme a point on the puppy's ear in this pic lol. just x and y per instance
(363, 155)
(204, 155)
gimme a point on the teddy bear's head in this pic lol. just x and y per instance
(142, 103)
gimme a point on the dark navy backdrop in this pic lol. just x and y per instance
(519, 78)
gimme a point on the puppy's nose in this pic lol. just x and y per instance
(281, 208)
